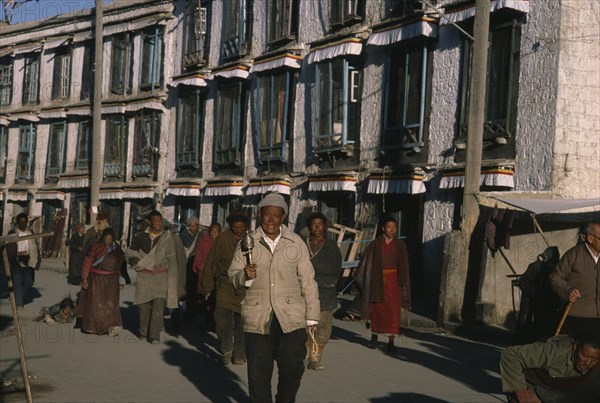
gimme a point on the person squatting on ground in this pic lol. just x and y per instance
(326, 259)
(158, 258)
(100, 287)
(19, 254)
(75, 244)
(282, 300)
(382, 275)
(61, 312)
(576, 279)
(558, 357)
(205, 243)
(215, 281)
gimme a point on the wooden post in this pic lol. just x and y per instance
(475, 122)
(13, 304)
(97, 166)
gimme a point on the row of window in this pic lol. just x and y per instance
(146, 136)
(121, 78)
(336, 103)
(281, 20)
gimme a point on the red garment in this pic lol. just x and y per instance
(385, 316)
(369, 274)
(99, 304)
(204, 245)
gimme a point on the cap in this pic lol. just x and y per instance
(274, 199)
(193, 220)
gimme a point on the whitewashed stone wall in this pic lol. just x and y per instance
(576, 159)
(538, 83)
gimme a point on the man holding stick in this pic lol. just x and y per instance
(576, 279)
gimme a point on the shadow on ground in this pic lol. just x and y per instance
(472, 364)
(201, 366)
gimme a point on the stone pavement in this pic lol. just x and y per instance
(66, 365)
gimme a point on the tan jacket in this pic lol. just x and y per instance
(284, 284)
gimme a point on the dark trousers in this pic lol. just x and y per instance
(288, 349)
(230, 330)
(191, 297)
(22, 278)
(152, 318)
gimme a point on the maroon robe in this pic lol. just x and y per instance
(384, 295)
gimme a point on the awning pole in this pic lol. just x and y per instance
(537, 225)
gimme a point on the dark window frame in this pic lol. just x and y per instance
(282, 21)
(495, 127)
(55, 161)
(330, 134)
(227, 149)
(345, 12)
(196, 35)
(189, 136)
(121, 67)
(115, 147)
(151, 71)
(145, 143)
(26, 150)
(6, 81)
(87, 74)
(404, 126)
(271, 145)
(237, 17)
(61, 74)
(31, 79)
(84, 135)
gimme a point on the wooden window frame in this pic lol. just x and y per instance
(229, 124)
(26, 150)
(400, 131)
(112, 168)
(340, 134)
(31, 80)
(271, 145)
(56, 155)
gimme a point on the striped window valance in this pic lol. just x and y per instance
(500, 176)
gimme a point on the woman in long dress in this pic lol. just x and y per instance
(99, 300)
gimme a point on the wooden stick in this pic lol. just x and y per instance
(20, 345)
(562, 320)
(537, 225)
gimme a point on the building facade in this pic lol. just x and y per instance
(355, 108)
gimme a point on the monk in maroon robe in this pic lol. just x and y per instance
(383, 278)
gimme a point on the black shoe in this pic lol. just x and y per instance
(391, 348)
(373, 344)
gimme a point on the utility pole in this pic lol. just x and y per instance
(475, 122)
(97, 165)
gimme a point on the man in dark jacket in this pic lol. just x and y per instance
(19, 258)
(326, 259)
(576, 279)
(215, 280)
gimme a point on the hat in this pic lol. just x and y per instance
(193, 220)
(274, 199)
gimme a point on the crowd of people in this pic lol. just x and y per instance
(270, 296)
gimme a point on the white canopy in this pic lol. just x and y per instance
(543, 206)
